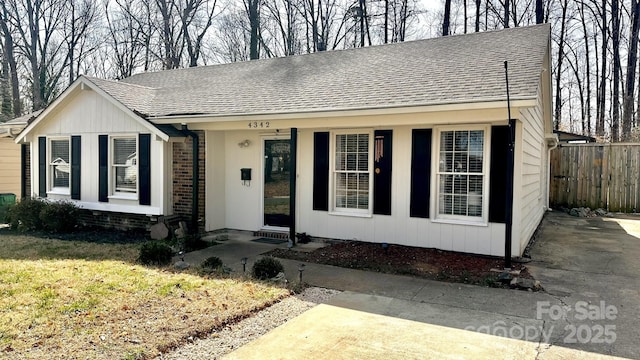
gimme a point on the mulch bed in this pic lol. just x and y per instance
(405, 260)
(93, 235)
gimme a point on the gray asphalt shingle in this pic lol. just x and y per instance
(454, 69)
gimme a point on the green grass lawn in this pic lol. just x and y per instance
(70, 299)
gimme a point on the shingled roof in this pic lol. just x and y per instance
(445, 70)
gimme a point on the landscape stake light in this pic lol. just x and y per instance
(301, 269)
(244, 264)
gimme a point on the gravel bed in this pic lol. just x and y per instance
(236, 335)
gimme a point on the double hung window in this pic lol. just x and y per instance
(59, 165)
(461, 174)
(124, 164)
(352, 173)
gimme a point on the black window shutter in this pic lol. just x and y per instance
(497, 175)
(321, 171)
(420, 173)
(382, 172)
(103, 168)
(144, 168)
(75, 167)
(42, 166)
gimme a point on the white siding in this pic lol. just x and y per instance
(215, 188)
(232, 204)
(10, 165)
(88, 114)
(398, 228)
(529, 198)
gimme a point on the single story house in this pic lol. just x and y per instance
(405, 143)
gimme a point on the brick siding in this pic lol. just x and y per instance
(182, 178)
(114, 220)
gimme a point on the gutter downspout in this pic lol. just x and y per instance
(195, 183)
(293, 171)
(23, 171)
(509, 173)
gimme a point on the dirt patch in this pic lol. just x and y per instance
(405, 260)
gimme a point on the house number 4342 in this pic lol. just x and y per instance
(260, 124)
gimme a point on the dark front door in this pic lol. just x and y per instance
(276, 182)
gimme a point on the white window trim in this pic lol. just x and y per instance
(50, 188)
(113, 193)
(332, 178)
(435, 179)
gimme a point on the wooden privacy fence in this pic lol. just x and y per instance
(596, 176)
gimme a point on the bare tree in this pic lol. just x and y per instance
(9, 58)
(615, 98)
(560, 59)
(196, 18)
(252, 7)
(81, 17)
(632, 60)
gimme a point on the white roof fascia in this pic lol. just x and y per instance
(203, 118)
(84, 83)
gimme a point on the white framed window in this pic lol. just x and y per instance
(124, 166)
(462, 174)
(351, 176)
(59, 165)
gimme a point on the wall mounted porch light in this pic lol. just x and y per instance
(244, 143)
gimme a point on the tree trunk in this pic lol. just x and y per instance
(447, 18)
(587, 60)
(34, 33)
(464, 5)
(603, 74)
(558, 102)
(632, 60)
(254, 24)
(615, 99)
(11, 60)
(539, 12)
(506, 14)
(478, 2)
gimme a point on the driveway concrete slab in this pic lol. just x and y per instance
(592, 263)
(331, 332)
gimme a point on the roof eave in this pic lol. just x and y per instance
(329, 113)
(84, 83)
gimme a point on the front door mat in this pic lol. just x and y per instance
(264, 240)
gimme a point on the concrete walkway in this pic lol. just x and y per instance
(389, 316)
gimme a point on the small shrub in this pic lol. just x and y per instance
(25, 215)
(213, 262)
(59, 216)
(212, 265)
(266, 268)
(155, 253)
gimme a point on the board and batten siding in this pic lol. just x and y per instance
(10, 163)
(88, 115)
(530, 195)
